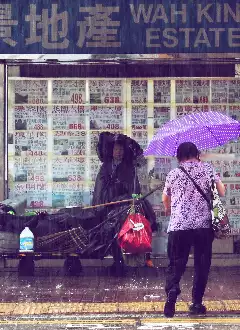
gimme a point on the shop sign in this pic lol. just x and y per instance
(119, 26)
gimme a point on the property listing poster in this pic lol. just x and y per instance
(234, 91)
(69, 117)
(141, 136)
(228, 170)
(30, 117)
(39, 195)
(139, 117)
(69, 194)
(219, 91)
(161, 115)
(184, 91)
(68, 91)
(95, 166)
(106, 91)
(30, 143)
(233, 194)
(162, 91)
(193, 91)
(70, 143)
(106, 117)
(201, 91)
(139, 91)
(68, 169)
(30, 92)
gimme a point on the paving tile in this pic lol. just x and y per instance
(95, 286)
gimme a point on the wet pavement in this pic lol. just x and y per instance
(95, 285)
(125, 323)
(96, 300)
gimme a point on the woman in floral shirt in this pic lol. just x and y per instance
(190, 225)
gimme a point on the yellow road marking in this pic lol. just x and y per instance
(185, 320)
(66, 321)
(49, 308)
(205, 320)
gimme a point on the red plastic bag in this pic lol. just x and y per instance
(136, 234)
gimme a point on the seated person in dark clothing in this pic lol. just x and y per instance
(116, 179)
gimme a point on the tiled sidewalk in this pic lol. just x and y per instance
(142, 290)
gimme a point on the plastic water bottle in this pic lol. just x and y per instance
(26, 240)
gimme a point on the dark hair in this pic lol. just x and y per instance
(187, 150)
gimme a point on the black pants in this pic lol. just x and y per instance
(179, 245)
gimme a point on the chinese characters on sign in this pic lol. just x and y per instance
(192, 91)
(68, 92)
(119, 27)
(6, 24)
(68, 169)
(139, 117)
(69, 143)
(98, 29)
(161, 116)
(105, 91)
(31, 92)
(40, 25)
(30, 143)
(184, 91)
(69, 117)
(106, 117)
(162, 93)
(183, 110)
(141, 137)
(30, 117)
(234, 91)
(201, 91)
(50, 27)
(219, 91)
(139, 90)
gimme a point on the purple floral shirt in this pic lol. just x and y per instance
(189, 210)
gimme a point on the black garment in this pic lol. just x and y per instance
(179, 245)
(112, 183)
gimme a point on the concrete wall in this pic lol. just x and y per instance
(2, 141)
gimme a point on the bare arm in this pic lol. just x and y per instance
(220, 188)
(167, 203)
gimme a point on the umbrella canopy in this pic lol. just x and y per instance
(133, 153)
(205, 129)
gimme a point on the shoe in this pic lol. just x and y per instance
(197, 309)
(149, 263)
(169, 308)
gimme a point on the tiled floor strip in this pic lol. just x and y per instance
(11, 309)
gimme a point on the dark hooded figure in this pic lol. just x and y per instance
(117, 180)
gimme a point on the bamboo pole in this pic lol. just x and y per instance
(119, 202)
(108, 204)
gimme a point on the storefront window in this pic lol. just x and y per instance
(54, 124)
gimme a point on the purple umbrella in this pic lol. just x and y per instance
(205, 129)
